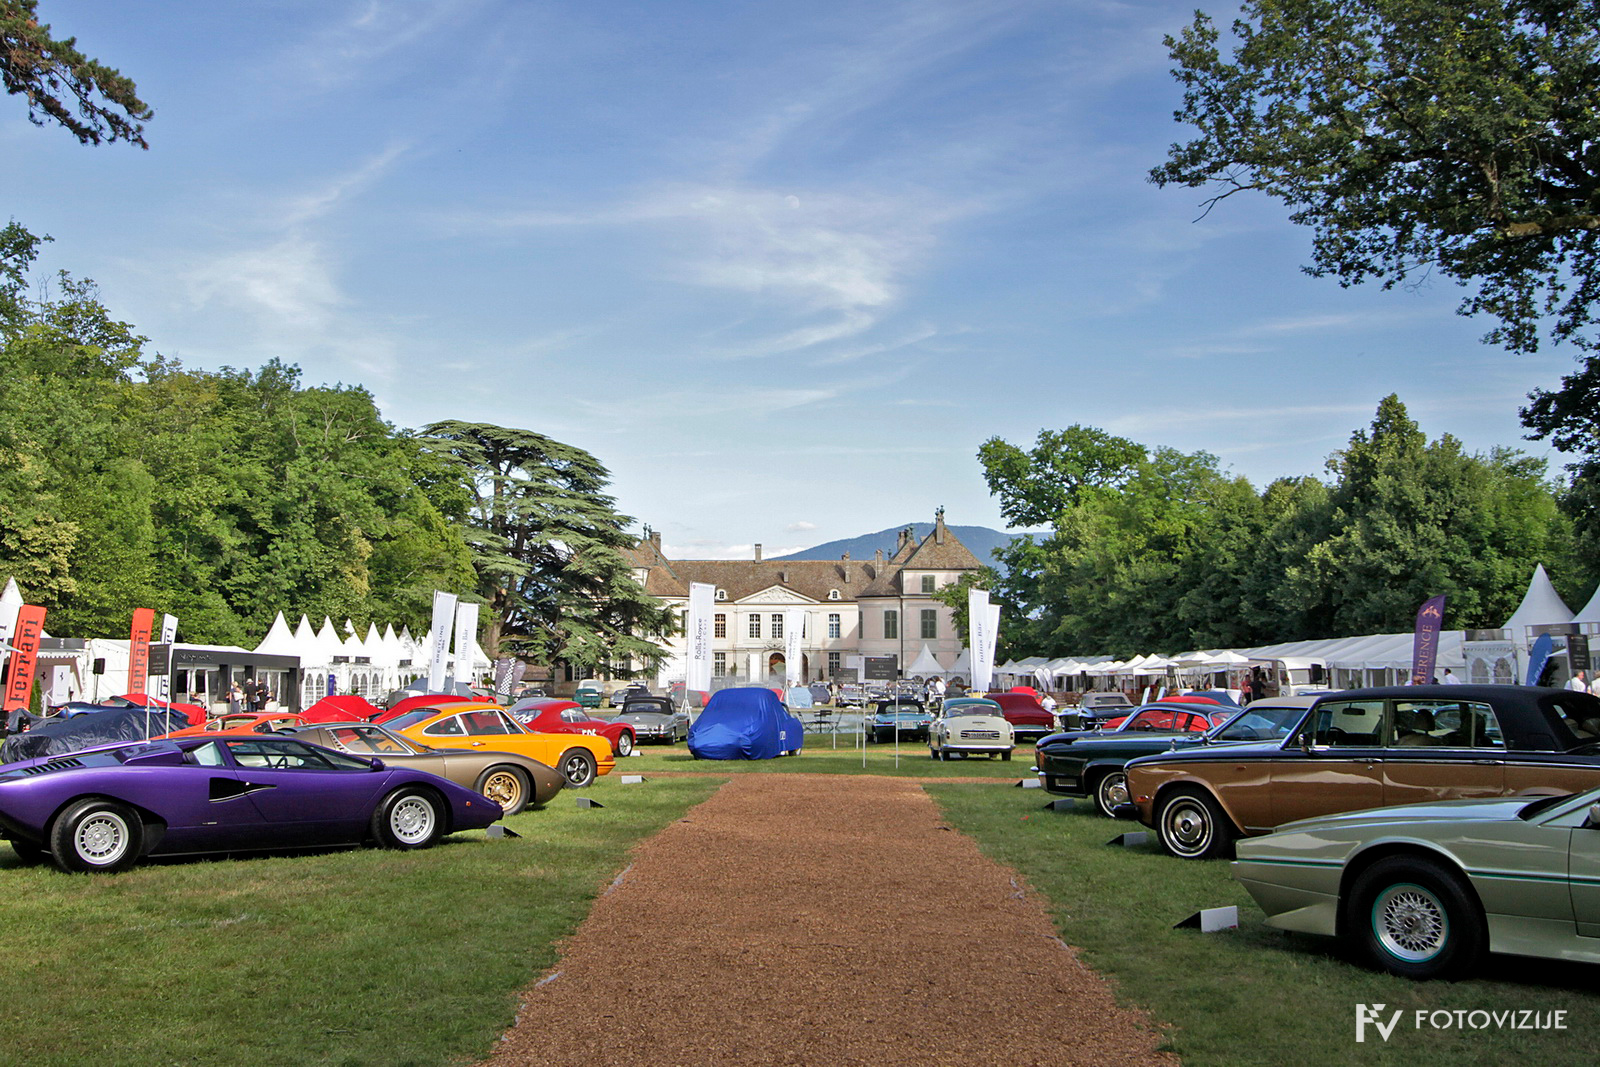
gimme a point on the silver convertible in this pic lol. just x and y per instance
(1424, 890)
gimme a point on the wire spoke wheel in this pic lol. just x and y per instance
(1410, 923)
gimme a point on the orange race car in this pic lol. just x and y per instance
(579, 757)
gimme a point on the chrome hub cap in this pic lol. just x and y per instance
(412, 820)
(102, 839)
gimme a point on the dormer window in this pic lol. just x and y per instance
(722, 594)
(833, 594)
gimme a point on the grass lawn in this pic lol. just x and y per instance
(1253, 995)
(362, 957)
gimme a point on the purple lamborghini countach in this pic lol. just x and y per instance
(104, 809)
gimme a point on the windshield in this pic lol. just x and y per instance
(1257, 723)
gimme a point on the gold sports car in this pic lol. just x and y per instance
(580, 758)
(509, 779)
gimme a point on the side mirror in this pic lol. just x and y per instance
(377, 764)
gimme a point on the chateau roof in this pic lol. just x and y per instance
(811, 578)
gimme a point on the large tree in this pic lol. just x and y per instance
(62, 85)
(1459, 137)
(547, 544)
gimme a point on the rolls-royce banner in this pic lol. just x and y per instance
(982, 620)
(139, 649)
(794, 628)
(24, 656)
(702, 603)
(444, 612)
(466, 641)
(169, 633)
(1425, 643)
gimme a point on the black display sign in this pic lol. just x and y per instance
(882, 668)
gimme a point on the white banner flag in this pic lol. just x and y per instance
(794, 628)
(981, 622)
(444, 611)
(702, 604)
(161, 687)
(466, 641)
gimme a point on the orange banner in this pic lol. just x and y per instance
(139, 649)
(19, 686)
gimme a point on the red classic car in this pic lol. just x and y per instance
(553, 715)
(1029, 721)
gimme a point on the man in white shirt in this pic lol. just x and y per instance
(1449, 679)
(1577, 682)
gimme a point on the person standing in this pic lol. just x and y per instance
(235, 699)
(1449, 679)
(1578, 683)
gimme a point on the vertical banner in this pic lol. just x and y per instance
(444, 610)
(1425, 645)
(169, 634)
(980, 639)
(25, 652)
(1538, 656)
(139, 649)
(10, 603)
(794, 628)
(466, 641)
(702, 605)
(507, 673)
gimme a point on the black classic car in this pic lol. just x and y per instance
(1371, 748)
(1091, 764)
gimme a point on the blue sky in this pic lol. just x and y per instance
(782, 268)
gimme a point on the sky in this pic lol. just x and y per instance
(781, 268)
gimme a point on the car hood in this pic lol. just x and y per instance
(1477, 809)
(1233, 750)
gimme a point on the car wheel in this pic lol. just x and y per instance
(407, 819)
(1109, 791)
(507, 786)
(1006, 756)
(625, 743)
(577, 766)
(1190, 826)
(1413, 917)
(96, 835)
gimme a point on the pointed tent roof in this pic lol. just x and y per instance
(377, 651)
(328, 640)
(1541, 605)
(10, 601)
(279, 641)
(1591, 610)
(926, 663)
(963, 664)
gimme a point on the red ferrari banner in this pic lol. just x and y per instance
(30, 626)
(139, 649)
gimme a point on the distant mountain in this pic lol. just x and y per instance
(980, 541)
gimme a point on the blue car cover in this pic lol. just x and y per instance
(749, 723)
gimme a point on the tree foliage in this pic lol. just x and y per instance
(62, 85)
(223, 497)
(1179, 555)
(1414, 136)
(547, 545)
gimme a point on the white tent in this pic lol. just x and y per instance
(963, 666)
(926, 665)
(1541, 605)
(279, 641)
(1591, 610)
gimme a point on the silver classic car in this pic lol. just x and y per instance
(1424, 890)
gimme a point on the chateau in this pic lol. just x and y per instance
(853, 608)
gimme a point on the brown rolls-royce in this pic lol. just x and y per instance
(1371, 748)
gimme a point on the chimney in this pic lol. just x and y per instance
(845, 559)
(880, 555)
(938, 527)
(783, 577)
(758, 552)
(655, 539)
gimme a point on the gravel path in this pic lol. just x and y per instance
(820, 920)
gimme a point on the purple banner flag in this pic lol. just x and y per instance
(1425, 645)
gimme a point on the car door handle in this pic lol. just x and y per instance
(476, 744)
